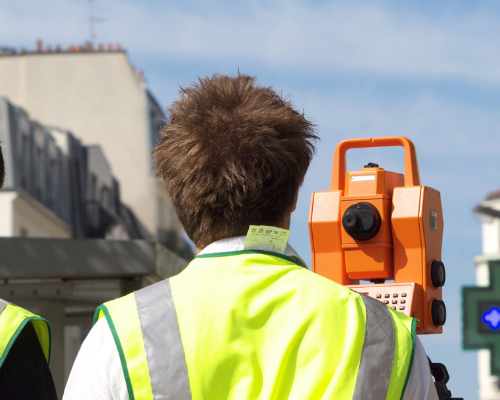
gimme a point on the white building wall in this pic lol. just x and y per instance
(20, 215)
(490, 231)
(7, 213)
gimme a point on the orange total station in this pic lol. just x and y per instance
(375, 225)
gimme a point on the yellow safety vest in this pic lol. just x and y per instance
(255, 325)
(12, 321)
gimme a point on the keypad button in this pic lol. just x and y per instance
(393, 307)
(403, 301)
(378, 296)
(403, 294)
(387, 295)
(394, 302)
(386, 301)
(402, 307)
(395, 295)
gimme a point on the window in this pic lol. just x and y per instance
(93, 187)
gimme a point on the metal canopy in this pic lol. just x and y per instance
(64, 280)
(36, 258)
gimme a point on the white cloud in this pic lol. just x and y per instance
(347, 37)
(438, 126)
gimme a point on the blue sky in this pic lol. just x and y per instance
(426, 70)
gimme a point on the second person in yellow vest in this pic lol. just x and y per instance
(25, 341)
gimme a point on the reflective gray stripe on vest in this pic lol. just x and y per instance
(377, 354)
(3, 304)
(162, 342)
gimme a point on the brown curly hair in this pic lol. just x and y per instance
(232, 154)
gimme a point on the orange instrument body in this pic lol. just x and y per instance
(376, 225)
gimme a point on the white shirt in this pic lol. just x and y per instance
(97, 372)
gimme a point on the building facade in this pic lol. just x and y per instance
(97, 94)
(56, 187)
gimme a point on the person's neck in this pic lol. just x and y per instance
(285, 224)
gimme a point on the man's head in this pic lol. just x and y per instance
(233, 154)
(2, 168)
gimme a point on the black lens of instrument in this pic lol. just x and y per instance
(361, 221)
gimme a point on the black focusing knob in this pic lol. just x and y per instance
(351, 221)
(438, 311)
(438, 274)
(361, 221)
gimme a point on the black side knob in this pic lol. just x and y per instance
(351, 221)
(438, 311)
(438, 274)
(361, 221)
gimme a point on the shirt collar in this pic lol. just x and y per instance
(237, 243)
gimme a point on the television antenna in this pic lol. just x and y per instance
(93, 20)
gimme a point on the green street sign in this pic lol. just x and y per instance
(481, 317)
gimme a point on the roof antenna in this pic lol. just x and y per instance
(92, 21)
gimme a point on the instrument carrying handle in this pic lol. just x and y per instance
(412, 177)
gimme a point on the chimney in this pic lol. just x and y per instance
(22, 51)
(48, 49)
(88, 46)
(39, 46)
(108, 47)
(100, 47)
(140, 74)
(58, 49)
(117, 47)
